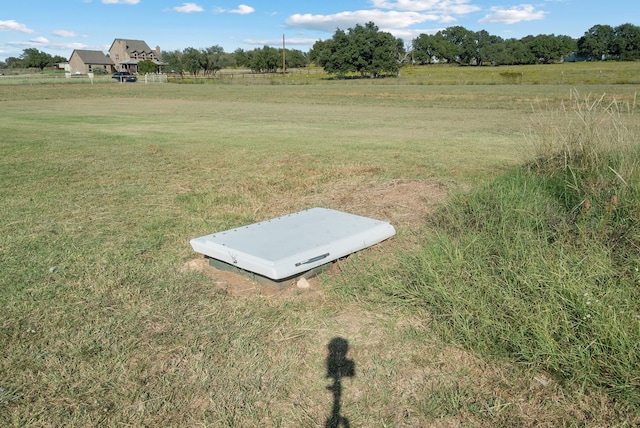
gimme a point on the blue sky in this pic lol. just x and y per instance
(60, 26)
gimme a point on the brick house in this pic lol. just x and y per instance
(127, 53)
(85, 61)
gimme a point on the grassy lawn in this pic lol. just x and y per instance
(103, 185)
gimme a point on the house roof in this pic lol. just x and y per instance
(134, 45)
(92, 57)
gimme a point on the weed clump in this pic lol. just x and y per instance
(542, 265)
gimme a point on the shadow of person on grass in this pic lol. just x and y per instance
(338, 366)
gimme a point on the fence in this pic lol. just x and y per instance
(243, 74)
(68, 78)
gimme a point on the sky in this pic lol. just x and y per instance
(60, 26)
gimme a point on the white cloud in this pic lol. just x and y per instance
(188, 8)
(455, 7)
(415, 5)
(64, 33)
(408, 34)
(278, 42)
(344, 20)
(393, 16)
(12, 25)
(243, 9)
(44, 43)
(120, 1)
(523, 12)
(40, 41)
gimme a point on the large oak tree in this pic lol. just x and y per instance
(362, 49)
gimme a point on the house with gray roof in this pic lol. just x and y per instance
(126, 54)
(86, 61)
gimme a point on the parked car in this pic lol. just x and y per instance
(124, 76)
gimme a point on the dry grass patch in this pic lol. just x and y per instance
(400, 202)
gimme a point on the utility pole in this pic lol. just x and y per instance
(284, 58)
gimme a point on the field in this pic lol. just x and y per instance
(111, 319)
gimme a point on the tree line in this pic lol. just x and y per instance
(457, 45)
(207, 61)
(367, 51)
(210, 60)
(33, 58)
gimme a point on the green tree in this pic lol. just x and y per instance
(363, 49)
(265, 60)
(517, 53)
(567, 45)
(548, 48)
(241, 57)
(625, 44)
(320, 49)
(426, 48)
(457, 47)
(335, 55)
(229, 60)
(33, 58)
(485, 47)
(504, 52)
(295, 58)
(383, 53)
(596, 43)
(147, 66)
(13, 62)
(215, 59)
(448, 46)
(174, 61)
(58, 59)
(193, 60)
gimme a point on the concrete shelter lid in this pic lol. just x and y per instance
(289, 245)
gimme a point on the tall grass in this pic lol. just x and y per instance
(542, 264)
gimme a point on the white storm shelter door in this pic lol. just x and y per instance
(286, 246)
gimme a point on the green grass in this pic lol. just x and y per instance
(102, 186)
(541, 265)
(443, 74)
(555, 74)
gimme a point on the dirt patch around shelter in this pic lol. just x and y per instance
(238, 285)
(400, 202)
(403, 203)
